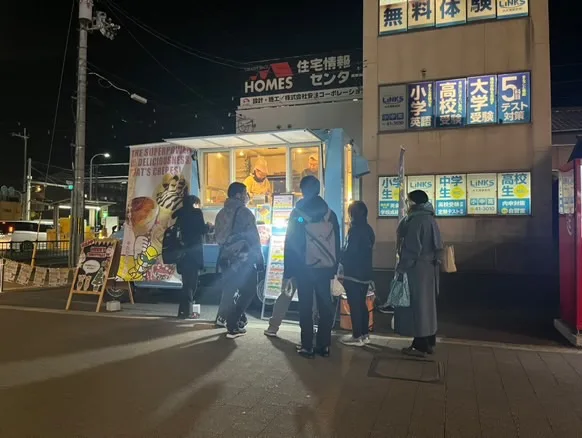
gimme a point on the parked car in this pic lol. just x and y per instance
(21, 235)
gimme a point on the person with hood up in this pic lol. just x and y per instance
(419, 250)
(357, 273)
(257, 183)
(239, 259)
(190, 220)
(312, 248)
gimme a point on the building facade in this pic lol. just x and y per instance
(464, 87)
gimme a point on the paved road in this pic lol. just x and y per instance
(64, 375)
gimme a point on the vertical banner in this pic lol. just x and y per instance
(514, 193)
(393, 16)
(482, 193)
(159, 178)
(420, 105)
(424, 183)
(512, 8)
(421, 14)
(514, 98)
(482, 100)
(393, 108)
(451, 12)
(450, 103)
(451, 195)
(481, 10)
(402, 184)
(567, 194)
(388, 196)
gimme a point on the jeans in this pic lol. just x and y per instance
(242, 277)
(359, 315)
(189, 287)
(309, 285)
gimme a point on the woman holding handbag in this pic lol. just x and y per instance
(419, 250)
(356, 264)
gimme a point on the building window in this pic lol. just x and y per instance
(216, 177)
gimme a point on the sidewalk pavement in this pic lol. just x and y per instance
(161, 379)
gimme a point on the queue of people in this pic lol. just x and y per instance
(313, 257)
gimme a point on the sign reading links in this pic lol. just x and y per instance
(456, 103)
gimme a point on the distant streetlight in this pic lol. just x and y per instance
(104, 155)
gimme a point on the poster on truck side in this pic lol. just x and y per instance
(159, 178)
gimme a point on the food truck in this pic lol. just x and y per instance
(160, 173)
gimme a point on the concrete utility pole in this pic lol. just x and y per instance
(24, 136)
(86, 24)
(27, 207)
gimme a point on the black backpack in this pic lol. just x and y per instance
(173, 248)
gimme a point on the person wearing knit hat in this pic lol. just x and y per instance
(313, 167)
(257, 183)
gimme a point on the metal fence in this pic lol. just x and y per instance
(53, 252)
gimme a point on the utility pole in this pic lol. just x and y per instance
(27, 207)
(24, 136)
(86, 24)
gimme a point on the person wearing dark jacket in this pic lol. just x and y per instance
(356, 270)
(311, 280)
(190, 222)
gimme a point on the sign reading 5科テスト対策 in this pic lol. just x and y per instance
(396, 16)
(514, 98)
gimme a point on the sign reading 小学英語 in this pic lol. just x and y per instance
(456, 103)
(451, 195)
(396, 16)
(482, 193)
(457, 195)
(388, 196)
(514, 193)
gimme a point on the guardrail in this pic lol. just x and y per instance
(22, 251)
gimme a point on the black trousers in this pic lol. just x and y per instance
(189, 274)
(242, 277)
(309, 285)
(424, 344)
(359, 315)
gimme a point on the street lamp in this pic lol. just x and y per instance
(104, 155)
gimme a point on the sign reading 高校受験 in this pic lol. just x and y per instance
(456, 103)
(393, 108)
(420, 105)
(388, 196)
(451, 97)
(457, 195)
(482, 193)
(514, 193)
(396, 16)
(514, 98)
(451, 195)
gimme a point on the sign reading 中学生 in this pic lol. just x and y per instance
(421, 14)
(420, 105)
(388, 196)
(514, 98)
(397, 16)
(451, 195)
(482, 193)
(393, 109)
(514, 193)
(450, 103)
(481, 100)
(451, 12)
(424, 183)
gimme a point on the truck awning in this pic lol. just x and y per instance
(269, 139)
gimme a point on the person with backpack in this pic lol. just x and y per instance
(312, 247)
(356, 271)
(189, 231)
(240, 258)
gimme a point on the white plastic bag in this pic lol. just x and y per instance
(337, 289)
(448, 263)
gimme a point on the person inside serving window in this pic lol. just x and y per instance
(257, 183)
(312, 167)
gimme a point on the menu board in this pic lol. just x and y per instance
(39, 276)
(24, 275)
(10, 271)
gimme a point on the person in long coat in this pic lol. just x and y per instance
(419, 251)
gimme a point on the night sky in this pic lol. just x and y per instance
(190, 87)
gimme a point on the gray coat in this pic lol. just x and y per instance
(419, 250)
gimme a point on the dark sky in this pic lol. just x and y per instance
(188, 95)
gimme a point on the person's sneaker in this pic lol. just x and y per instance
(385, 309)
(308, 354)
(271, 332)
(220, 322)
(352, 342)
(366, 339)
(413, 352)
(236, 333)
